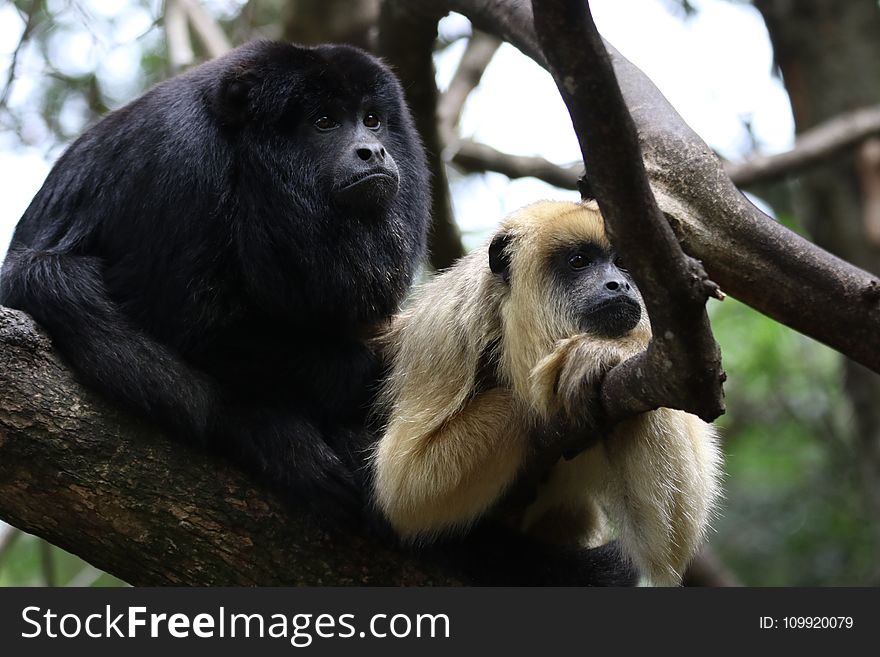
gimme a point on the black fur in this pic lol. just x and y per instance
(211, 260)
(494, 556)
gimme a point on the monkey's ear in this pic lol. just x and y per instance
(499, 256)
(233, 98)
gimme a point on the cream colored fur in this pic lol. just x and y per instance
(450, 451)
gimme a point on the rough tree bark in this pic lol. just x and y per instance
(144, 508)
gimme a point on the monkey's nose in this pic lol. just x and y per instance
(368, 152)
(615, 285)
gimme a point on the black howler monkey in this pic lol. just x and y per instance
(505, 351)
(215, 255)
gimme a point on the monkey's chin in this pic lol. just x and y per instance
(377, 189)
(612, 319)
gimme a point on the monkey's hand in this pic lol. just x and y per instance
(565, 388)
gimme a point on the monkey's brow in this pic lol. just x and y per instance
(586, 246)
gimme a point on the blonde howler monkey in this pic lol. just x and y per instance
(496, 363)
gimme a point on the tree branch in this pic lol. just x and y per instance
(149, 510)
(30, 21)
(206, 28)
(406, 39)
(473, 157)
(180, 50)
(868, 171)
(749, 255)
(812, 147)
(480, 50)
(682, 366)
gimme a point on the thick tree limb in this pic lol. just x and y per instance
(748, 254)
(146, 509)
(682, 366)
(406, 40)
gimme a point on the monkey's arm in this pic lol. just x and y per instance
(65, 293)
(663, 467)
(446, 478)
(566, 381)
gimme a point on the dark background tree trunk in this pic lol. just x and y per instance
(829, 55)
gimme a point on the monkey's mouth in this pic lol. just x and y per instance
(613, 317)
(372, 177)
(375, 185)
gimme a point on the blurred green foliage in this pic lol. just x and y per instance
(793, 512)
(30, 561)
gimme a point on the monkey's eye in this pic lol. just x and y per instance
(372, 121)
(578, 261)
(618, 262)
(325, 123)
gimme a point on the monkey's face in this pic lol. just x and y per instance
(562, 276)
(596, 289)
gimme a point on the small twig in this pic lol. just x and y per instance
(868, 168)
(814, 147)
(29, 24)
